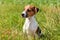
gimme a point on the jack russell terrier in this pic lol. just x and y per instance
(30, 26)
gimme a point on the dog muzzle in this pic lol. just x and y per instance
(24, 14)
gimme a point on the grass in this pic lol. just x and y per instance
(11, 22)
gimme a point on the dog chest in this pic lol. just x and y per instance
(30, 26)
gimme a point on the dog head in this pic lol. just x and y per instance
(29, 11)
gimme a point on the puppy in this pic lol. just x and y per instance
(31, 26)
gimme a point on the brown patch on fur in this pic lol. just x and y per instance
(31, 10)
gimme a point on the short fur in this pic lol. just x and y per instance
(30, 26)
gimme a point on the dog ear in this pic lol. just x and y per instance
(37, 9)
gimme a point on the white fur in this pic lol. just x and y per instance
(24, 13)
(30, 26)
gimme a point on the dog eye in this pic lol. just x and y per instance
(28, 10)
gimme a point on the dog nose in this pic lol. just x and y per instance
(22, 14)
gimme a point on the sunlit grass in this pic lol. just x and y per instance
(11, 22)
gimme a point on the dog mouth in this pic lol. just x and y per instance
(24, 15)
